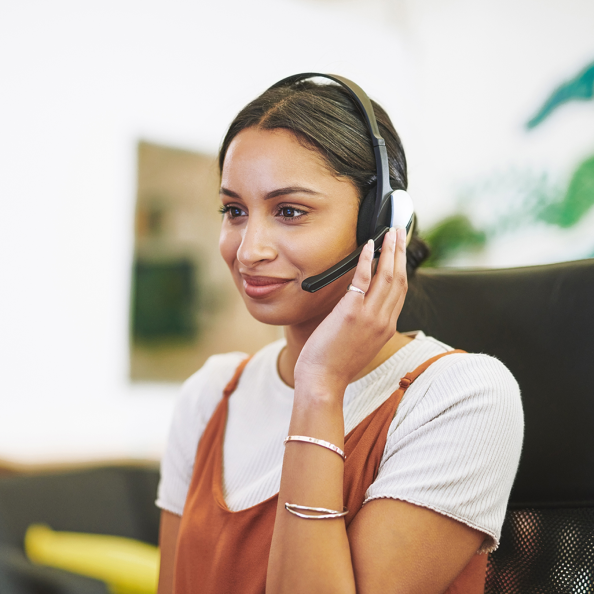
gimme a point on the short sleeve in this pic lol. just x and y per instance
(455, 442)
(197, 401)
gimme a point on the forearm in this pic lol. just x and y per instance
(312, 555)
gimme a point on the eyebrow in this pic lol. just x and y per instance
(275, 193)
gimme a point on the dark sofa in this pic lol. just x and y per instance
(115, 500)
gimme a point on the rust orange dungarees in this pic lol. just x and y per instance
(225, 552)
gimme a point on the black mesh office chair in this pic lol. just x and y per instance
(540, 322)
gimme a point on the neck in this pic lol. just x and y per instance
(297, 336)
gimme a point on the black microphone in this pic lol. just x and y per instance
(319, 281)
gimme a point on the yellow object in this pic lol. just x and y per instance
(126, 565)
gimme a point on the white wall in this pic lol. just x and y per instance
(82, 82)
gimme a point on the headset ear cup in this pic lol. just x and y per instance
(365, 215)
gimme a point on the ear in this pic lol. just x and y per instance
(365, 215)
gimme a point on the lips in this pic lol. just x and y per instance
(258, 287)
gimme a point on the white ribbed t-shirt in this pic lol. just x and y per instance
(453, 446)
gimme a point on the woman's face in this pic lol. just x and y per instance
(287, 217)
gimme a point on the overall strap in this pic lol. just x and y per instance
(364, 446)
(230, 387)
(410, 377)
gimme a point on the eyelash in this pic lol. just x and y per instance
(227, 208)
(224, 209)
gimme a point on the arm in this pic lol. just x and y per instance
(168, 530)
(404, 548)
(386, 548)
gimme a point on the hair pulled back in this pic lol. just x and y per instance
(323, 117)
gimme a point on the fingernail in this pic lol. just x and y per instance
(370, 245)
(401, 235)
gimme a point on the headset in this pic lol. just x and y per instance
(382, 208)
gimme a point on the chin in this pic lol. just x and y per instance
(281, 314)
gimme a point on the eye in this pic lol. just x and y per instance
(290, 212)
(231, 211)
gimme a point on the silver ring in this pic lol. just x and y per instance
(356, 290)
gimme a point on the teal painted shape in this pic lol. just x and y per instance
(578, 199)
(580, 88)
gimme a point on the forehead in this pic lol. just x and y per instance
(260, 155)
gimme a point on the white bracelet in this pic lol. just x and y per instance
(320, 442)
(323, 513)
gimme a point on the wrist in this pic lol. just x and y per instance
(319, 415)
(319, 395)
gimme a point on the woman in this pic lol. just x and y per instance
(430, 459)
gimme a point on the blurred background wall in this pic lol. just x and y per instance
(493, 101)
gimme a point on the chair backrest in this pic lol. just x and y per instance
(116, 500)
(539, 321)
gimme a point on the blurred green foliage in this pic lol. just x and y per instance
(452, 235)
(506, 203)
(513, 201)
(577, 201)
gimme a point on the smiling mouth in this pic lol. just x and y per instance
(258, 287)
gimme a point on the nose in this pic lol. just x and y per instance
(256, 245)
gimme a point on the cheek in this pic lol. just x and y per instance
(229, 242)
(330, 245)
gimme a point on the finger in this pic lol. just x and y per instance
(400, 259)
(384, 274)
(400, 278)
(362, 277)
(390, 285)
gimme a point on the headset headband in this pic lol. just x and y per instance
(361, 100)
(388, 202)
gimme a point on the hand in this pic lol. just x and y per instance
(360, 325)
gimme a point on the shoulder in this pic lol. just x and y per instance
(202, 390)
(463, 394)
(465, 372)
(473, 382)
(197, 401)
(477, 380)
